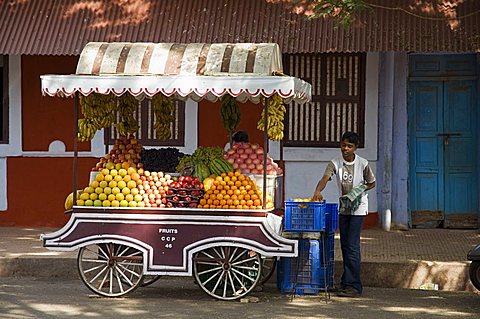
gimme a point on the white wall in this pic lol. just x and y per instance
(305, 166)
(14, 146)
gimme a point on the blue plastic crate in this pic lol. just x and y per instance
(304, 216)
(306, 274)
(331, 216)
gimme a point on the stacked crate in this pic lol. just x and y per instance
(314, 224)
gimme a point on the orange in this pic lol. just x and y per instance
(237, 173)
(218, 179)
(225, 206)
(247, 197)
(223, 202)
(223, 175)
(230, 174)
(254, 196)
(203, 201)
(249, 202)
(229, 202)
(233, 179)
(245, 207)
(243, 202)
(257, 202)
(226, 196)
(219, 196)
(216, 202)
(232, 207)
(239, 207)
(236, 202)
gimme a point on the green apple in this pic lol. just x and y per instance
(123, 203)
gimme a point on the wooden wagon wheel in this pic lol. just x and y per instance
(227, 273)
(109, 269)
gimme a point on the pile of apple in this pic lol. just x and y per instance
(125, 150)
(248, 158)
(186, 192)
(126, 186)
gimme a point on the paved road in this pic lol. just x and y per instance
(180, 298)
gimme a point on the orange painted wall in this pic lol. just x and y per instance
(210, 128)
(46, 118)
(37, 188)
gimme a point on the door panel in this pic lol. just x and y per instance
(426, 158)
(461, 189)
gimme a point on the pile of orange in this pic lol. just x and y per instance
(232, 191)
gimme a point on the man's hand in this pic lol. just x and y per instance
(317, 197)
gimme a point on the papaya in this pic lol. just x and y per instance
(207, 183)
(69, 199)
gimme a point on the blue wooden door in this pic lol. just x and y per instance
(460, 152)
(443, 152)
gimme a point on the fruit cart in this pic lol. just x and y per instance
(224, 249)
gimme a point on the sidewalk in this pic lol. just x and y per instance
(403, 259)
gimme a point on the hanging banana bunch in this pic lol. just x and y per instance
(230, 113)
(276, 114)
(99, 112)
(163, 109)
(86, 130)
(127, 107)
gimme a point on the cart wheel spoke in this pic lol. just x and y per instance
(231, 273)
(110, 269)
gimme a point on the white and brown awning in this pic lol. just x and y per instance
(197, 71)
(180, 59)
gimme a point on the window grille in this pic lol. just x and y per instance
(146, 133)
(338, 95)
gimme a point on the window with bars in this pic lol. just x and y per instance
(338, 99)
(3, 99)
(146, 133)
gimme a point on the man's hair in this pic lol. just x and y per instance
(240, 136)
(351, 137)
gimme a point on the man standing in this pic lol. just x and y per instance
(354, 177)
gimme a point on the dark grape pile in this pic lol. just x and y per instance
(160, 160)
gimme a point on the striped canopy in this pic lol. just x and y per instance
(197, 71)
(180, 59)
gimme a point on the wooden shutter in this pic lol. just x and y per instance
(338, 94)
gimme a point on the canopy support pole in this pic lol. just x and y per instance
(75, 147)
(265, 153)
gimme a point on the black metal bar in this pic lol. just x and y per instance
(265, 153)
(75, 147)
